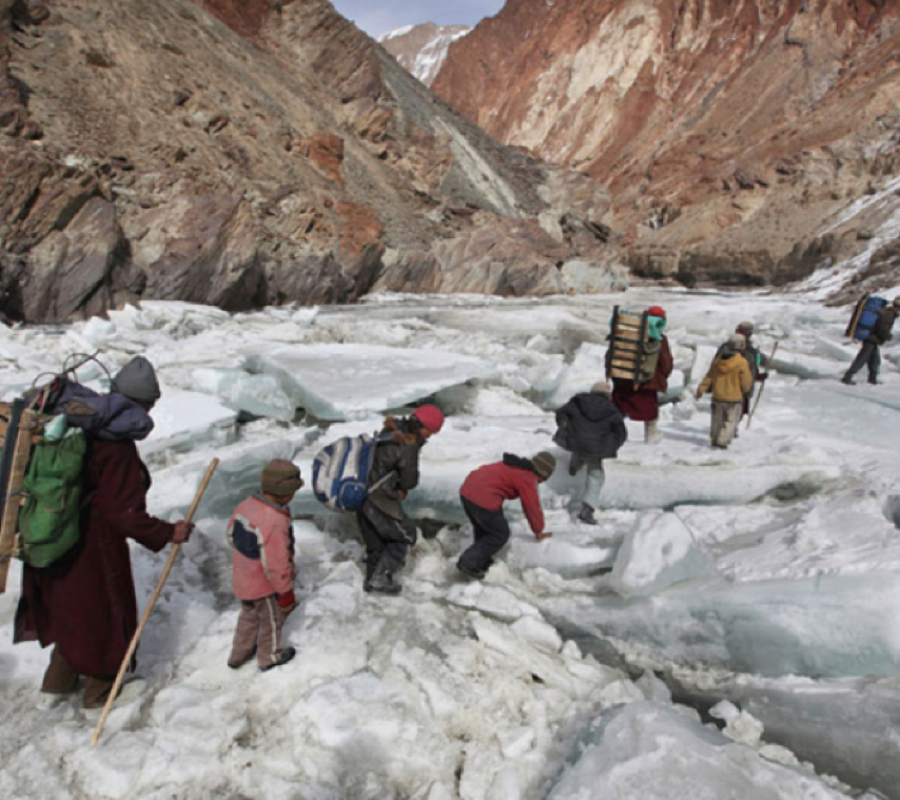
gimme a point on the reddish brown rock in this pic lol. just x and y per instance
(672, 105)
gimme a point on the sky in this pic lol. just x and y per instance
(380, 16)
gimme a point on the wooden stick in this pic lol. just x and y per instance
(153, 598)
(761, 388)
(9, 522)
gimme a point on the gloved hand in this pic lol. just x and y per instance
(762, 377)
(182, 531)
(287, 601)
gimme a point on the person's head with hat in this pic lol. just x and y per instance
(736, 343)
(428, 420)
(543, 464)
(601, 387)
(745, 329)
(280, 481)
(137, 381)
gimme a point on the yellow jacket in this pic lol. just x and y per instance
(730, 379)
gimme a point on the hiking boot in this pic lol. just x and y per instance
(874, 382)
(469, 572)
(383, 580)
(848, 380)
(286, 654)
(652, 434)
(586, 515)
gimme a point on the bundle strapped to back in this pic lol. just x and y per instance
(865, 315)
(341, 471)
(635, 342)
(41, 469)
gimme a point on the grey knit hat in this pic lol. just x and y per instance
(600, 387)
(544, 463)
(736, 343)
(281, 477)
(746, 327)
(137, 380)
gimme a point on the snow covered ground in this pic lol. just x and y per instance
(757, 586)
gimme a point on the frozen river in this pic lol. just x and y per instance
(759, 585)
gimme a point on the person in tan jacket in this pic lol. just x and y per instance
(730, 379)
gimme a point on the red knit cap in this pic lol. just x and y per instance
(431, 417)
(657, 311)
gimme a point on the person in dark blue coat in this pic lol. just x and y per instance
(591, 428)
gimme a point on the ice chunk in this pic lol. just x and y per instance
(739, 725)
(659, 553)
(185, 420)
(806, 366)
(336, 382)
(258, 395)
(586, 369)
(644, 751)
(98, 330)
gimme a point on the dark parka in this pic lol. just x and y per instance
(85, 603)
(399, 456)
(590, 425)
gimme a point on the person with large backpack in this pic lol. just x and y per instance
(84, 603)
(591, 428)
(385, 527)
(869, 354)
(641, 401)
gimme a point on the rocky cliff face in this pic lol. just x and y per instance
(241, 152)
(422, 49)
(730, 133)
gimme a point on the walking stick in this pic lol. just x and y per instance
(153, 598)
(761, 388)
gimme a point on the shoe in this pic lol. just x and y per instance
(239, 664)
(286, 654)
(586, 515)
(848, 381)
(128, 693)
(383, 580)
(478, 574)
(874, 382)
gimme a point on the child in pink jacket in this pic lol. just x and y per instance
(263, 567)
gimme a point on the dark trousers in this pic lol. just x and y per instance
(491, 534)
(868, 355)
(385, 537)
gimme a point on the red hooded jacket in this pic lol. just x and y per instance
(489, 486)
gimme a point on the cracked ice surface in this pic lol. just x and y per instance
(766, 575)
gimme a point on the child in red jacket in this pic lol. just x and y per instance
(483, 494)
(263, 567)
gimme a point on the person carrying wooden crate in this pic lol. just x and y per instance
(639, 362)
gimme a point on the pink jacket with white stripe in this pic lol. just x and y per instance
(260, 534)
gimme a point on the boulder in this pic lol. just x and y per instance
(201, 249)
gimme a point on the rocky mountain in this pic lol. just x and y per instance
(421, 49)
(738, 138)
(241, 152)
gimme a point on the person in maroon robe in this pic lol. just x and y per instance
(85, 603)
(641, 402)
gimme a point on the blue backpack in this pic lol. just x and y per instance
(865, 315)
(341, 471)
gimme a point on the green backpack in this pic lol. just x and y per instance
(49, 523)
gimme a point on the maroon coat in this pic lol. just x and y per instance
(85, 603)
(642, 404)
